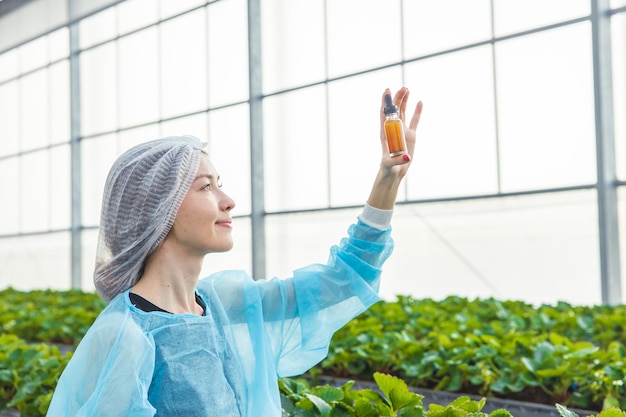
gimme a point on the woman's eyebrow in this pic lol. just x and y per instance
(208, 176)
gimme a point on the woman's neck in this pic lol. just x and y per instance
(170, 282)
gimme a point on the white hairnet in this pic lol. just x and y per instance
(143, 192)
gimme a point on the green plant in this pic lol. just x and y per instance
(28, 375)
(607, 412)
(50, 316)
(488, 347)
(393, 398)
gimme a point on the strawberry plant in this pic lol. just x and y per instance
(393, 398)
(571, 355)
(28, 375)
(50, 316)
(488, 347)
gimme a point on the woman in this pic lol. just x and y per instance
(169, 344)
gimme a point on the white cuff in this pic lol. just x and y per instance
(375, 217)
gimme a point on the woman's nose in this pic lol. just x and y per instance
(227, 203)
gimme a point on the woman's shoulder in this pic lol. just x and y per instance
(226, 279)
(116, 320)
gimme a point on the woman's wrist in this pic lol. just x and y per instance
(385, 190)
(375, 217)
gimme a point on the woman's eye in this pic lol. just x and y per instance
(209, 186)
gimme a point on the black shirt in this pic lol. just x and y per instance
(145, 305)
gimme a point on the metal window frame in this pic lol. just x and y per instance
(606, 186)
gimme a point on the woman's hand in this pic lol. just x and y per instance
(399, 165)
(393, 169)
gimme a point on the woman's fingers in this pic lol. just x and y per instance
(416, 115)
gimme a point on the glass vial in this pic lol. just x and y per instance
(394, 129)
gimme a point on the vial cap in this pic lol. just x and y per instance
(389, 107)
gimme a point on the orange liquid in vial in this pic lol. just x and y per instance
(396, 144)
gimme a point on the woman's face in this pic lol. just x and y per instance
(203, 222)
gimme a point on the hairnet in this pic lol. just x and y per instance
(143, 192)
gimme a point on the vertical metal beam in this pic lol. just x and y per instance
(496, 108)
(256, 139)
(605, 153)
(76, 221)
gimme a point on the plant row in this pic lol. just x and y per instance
(572, 355)
(562, 353)
(392, 398)
(50, 316)
(28, 374)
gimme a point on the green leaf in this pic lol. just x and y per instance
(612, 412)
(400, 399)
(364, 408)
(529, 364)
(342, 410)
(610, 402)
(466, 403)
(448, 411)
(286, 405)
(500, 412)
(394, 389)
(413, 411)
(387, 383)
(7, 376)
(328, 393)
(322, 406)
(581, 353)
(565, 412)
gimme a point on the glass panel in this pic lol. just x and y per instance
(546, 109)
(621, 207)
(131, 137)
(456, 148)
(89, 240)
(541, 248)
(354, 131)
(293, 43)
(229, 149)
(183, 70)
(98, 155)
(98, 28)
(135, 14)
(617, 3)
(36, 262)
(431, 26)
(239, 257)
(618, 45)
(9, 65)
(34, 114)
(296, 158)
(139, 78)
(169, 8)
(302, 239)
(195, 125)
(9, 118)
(59, 44)
(371, 39)
(33, 55)
(512, 16)
(228, 43)
(98, 89)
(60, 102)
(9, 220)
(34, 201)
(59, 178)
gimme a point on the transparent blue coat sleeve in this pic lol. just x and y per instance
(282, 327)
(328, 296)
(109, 373)
(300, 314)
